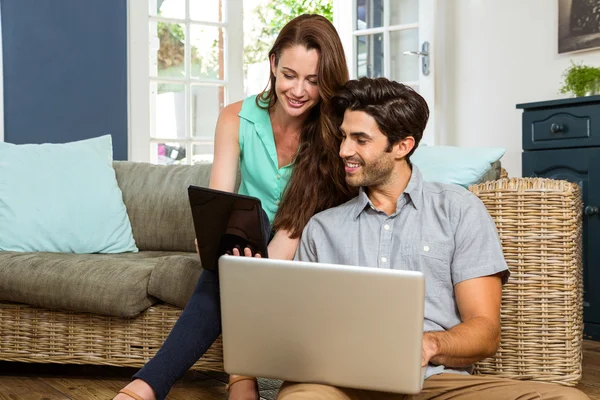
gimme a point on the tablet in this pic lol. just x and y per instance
(224, 220)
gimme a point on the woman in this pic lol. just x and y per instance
(280, 139)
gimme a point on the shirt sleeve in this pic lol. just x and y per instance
(478, 251)
(306, 249)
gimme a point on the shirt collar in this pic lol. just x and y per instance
(259, 116)
(414, 191)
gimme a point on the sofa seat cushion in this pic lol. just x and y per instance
(174, 279)
(108, 284)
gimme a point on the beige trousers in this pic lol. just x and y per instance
(442, 387)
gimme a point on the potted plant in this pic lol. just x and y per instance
(581, 80)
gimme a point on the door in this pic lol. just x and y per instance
(393, 39)
(581, 166)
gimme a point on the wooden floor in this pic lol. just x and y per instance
(20, 381)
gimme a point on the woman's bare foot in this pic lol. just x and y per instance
(139, 387)
(244, 390)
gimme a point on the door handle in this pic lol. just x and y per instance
(424, 54)
(590, 210)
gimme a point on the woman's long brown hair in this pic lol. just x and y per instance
(318, 179)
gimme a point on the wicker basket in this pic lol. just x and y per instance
(539, 223)
(31, 334)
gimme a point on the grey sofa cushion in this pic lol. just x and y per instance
(109, 284)
(157, 203)
(174, 278)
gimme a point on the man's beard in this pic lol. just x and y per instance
(372, 174)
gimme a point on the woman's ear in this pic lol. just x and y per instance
(273, 65)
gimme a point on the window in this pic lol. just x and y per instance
(383, 31)
(394, 39)
(192, 52)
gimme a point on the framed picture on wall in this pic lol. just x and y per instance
(578, 25)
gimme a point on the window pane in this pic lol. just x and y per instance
(167, 8)
(404, 68)
(369, 55)
(170, 54)
(203, 152)
(207, 10)
(369, 14)
(207, 103)
(404, 12)
(207, 52)
(167, 110)
(168, 153)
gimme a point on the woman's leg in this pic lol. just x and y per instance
(195, 331)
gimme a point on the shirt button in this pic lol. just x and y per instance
(383, 259)
(386, 227)
(426, 248)
(277, 202)
(278, 176)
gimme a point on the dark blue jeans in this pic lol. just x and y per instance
(195, 331)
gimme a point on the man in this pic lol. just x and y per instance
(399, 221)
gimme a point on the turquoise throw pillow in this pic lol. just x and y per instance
(463, 166)
(62, 198)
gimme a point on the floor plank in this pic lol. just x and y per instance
(590, 381)
(79, 388)
(22, 381)
(28, 388)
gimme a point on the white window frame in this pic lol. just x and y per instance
(344, 19)
(138, 58)
(348, 34)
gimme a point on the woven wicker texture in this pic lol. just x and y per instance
(31, 334)
(539, 223)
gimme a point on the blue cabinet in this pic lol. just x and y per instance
(561, 140)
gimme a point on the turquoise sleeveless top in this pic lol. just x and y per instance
(261, 176)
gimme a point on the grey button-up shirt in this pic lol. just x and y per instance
(441, 230)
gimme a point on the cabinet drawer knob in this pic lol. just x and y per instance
(591, 210)
(555, 128)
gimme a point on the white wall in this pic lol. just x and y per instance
(497, 53)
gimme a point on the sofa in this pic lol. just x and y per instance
(111, 309)
(117, 309)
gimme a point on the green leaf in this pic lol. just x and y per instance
(272, 17)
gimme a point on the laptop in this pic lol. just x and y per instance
(347, 326)
(224, 220)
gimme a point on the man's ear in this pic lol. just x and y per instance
(404, 146)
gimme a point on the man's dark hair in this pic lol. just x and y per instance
(399, 111)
